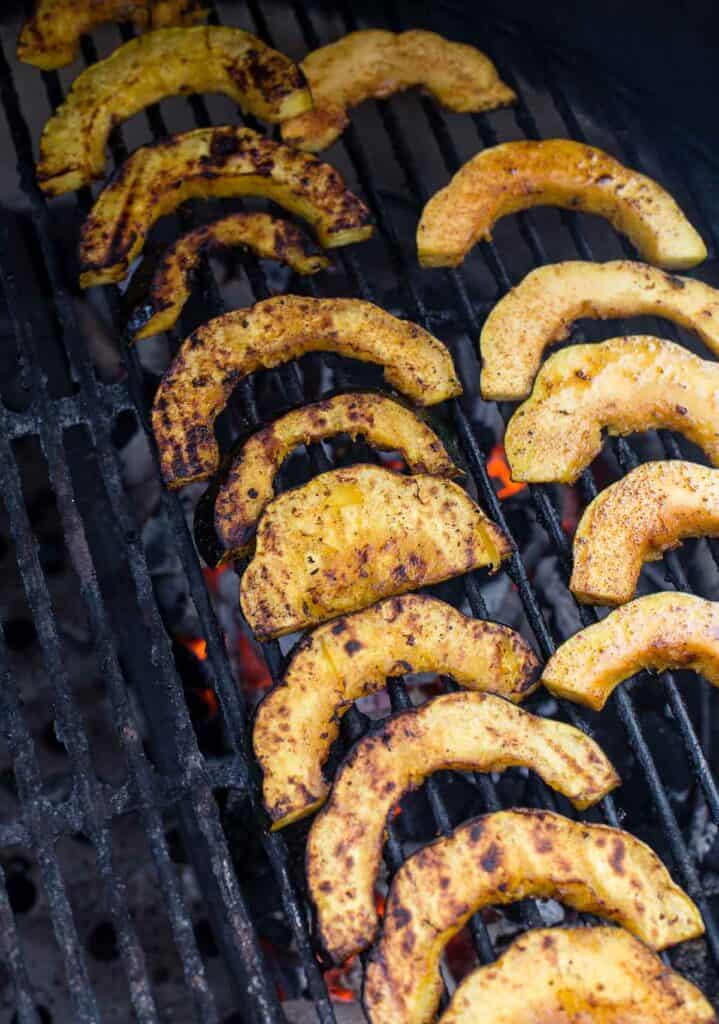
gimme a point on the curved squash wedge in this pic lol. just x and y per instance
(224, 161)
(623, 385)
(501, 858)
(51, 37)
(268, 237)
(373, 64)
(340, 662)
(659, 631)
(636, 520)
(383, 422)
(577, 975)
(211, 361)
(459, 731)
(543, 307)
(207, 58)
(353, 536)
(556, 172)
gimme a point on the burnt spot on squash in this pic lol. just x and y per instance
(492, 858)
(401, 916)
(617, 856)
(476, 832)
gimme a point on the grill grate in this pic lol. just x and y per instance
(178, 775)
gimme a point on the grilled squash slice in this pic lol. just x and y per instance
(577, 975)
(298, 721)
(224, 161)
(268, 237)
(207, 58)
(624, 385)
(659, 631)
(213, 359)
(460, 731)
(383, 422)
(373, 64)
(636, 520)
(557, 172)
(51, 38)
(541, 310)
(353, 536)
(501, 858)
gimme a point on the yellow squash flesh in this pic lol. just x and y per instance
(382, 422)
(51, 37)
(219, 354)
(557, 172)
(575, 976)
(660, 631)
(459, 731)
(543, 307)
(499, 859)
(340, 662)
(353, 536)
(373, 64)
(624, 385)
(207, 58)
(268, 237)
(636, 520)
(224, 161)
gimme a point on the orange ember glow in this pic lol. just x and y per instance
(336, 982)
(212, 577)
(499, 470)
(196, 644)
(379, 902)
(208, 698)
(253, 671)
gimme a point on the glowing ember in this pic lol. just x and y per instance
(499, 470)
(337, 982)
(212, 577)
(571, 510)
(208, 698)
(254, 673)
(196, 644)
(379, 902)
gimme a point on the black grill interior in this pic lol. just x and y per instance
(67, 394)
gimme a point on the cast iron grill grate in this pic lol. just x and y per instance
(396, 154)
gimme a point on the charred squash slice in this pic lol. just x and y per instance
(51, 38)
(373, 64)
(541, 310)
(268, 237)
(460, 731)
(659, 631)
(354, 656)
(220, 353)
(501, 858)
(383, 422)
(353, 536)
(623, 385)
(224, 161)
(577, 975)
(636, 520)
(556, 172)
(207, 58)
